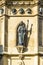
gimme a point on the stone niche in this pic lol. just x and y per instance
(12, 27)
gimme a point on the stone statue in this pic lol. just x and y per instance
(21, 33)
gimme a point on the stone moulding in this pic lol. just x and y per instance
(18, 2)
(23, 2)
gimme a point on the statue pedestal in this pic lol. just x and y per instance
(20, 48)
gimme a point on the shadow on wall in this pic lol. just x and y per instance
(1, 49)
(40, 23)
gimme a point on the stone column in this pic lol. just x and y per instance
(5, 60)
(5, 29)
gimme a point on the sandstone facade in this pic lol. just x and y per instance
(9, 21)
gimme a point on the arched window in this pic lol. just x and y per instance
(21, 34)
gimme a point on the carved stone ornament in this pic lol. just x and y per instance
(12, 2)
(21, 10)
(14, 11)
(29, 11)
(20, 49)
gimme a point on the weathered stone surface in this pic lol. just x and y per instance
(32, 54)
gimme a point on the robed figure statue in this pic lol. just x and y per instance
(21, 33)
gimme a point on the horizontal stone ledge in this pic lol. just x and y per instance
(35, 54)
(19, 15)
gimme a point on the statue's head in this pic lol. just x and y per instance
(21, 23)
